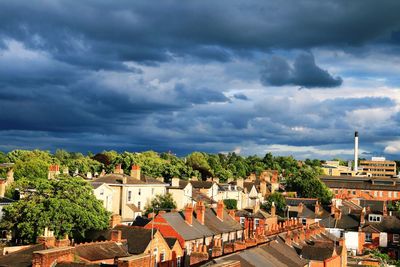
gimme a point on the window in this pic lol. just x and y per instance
(304, 221)
(380, 193)
(162, 256)
(395, 238)
(139, 191)
(138, 205)
(256, 223)
(368, 237)
(374, 218)
(178, 261)
(375, 193)
(101, 192)
(395, 194)
(354, 192)
(129, 196)
(390, 194)
(242, 220)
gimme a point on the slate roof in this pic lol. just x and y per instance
(317, 253)
(249, 214)
(375, 206)
(274, 254)
(171, 241)
(292, 201)
(389, 224)
(346, 222)
(199, 196)
(20, 258)
(202, 184)
(115, 178)
(140, 221)
(216, 225)
(188, 232)
(101, 250)
(359, 183)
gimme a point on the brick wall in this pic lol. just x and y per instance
(135, 261)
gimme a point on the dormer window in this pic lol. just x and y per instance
(374, 218)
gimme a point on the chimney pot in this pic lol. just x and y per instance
(116, 235)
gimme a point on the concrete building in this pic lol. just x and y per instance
(105, 193)
(379, 167)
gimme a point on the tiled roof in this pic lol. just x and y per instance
(101, 250)
(199, 196)
(346, 222)
(20, 258)
(359, 183)
(375, 206)
(228, 224)
(389, 224)
(202, 184)
(187, 232)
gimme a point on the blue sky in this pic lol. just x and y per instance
(287, 77)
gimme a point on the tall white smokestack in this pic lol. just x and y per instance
(356, 151)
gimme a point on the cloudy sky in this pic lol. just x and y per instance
(287, 77)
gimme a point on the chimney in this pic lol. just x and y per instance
(263, 188)
(385, 211)
(118, 169)
(200, 212)
(48, 238)
(300, 207)
(256, 207)
(288, 238)
(189, 214)
(220, 210)
(10, 176)
(356, 151)
(317, 208)
(240, 182)
(273, 209)
(54, 170)
(115, 220)
(175, 182)
(135, 172)
(338, 214)
(89, 175)
(362, 216)
(116, 235)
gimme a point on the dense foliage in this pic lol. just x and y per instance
(280, 203)
(65, 205)
(300, 177)
(161, 203)
(230, 204)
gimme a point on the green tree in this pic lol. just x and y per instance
(230, 204)
(161, 202)
(307, 184)
(279, 201)
(198, 161)
(64, 205)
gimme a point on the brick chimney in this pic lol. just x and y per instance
(48, 238)
(263, 188)
(135, 172)
(273, 209)
(54, 170)
(189, 214)
(317, 207)
(118, 169)
(115, 220)
(220, 210)
(362, 216)
(200, 212)
(338, 214)
(288, 238)
(116, 235)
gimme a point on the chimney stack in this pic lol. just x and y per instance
(273, 209)
(54, 170)
(175, 182)
(116, 235)
(220, 210)
(118, 169)
(200, 212)
(317, 208)
(189, 214)
(135, 171)
(240, 182)
(356, 151)
(362, 216)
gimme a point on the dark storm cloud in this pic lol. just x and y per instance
(101, 34)
(304, 72)
(240, 96)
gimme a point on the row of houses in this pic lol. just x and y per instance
(128, 195)
(195, 236)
